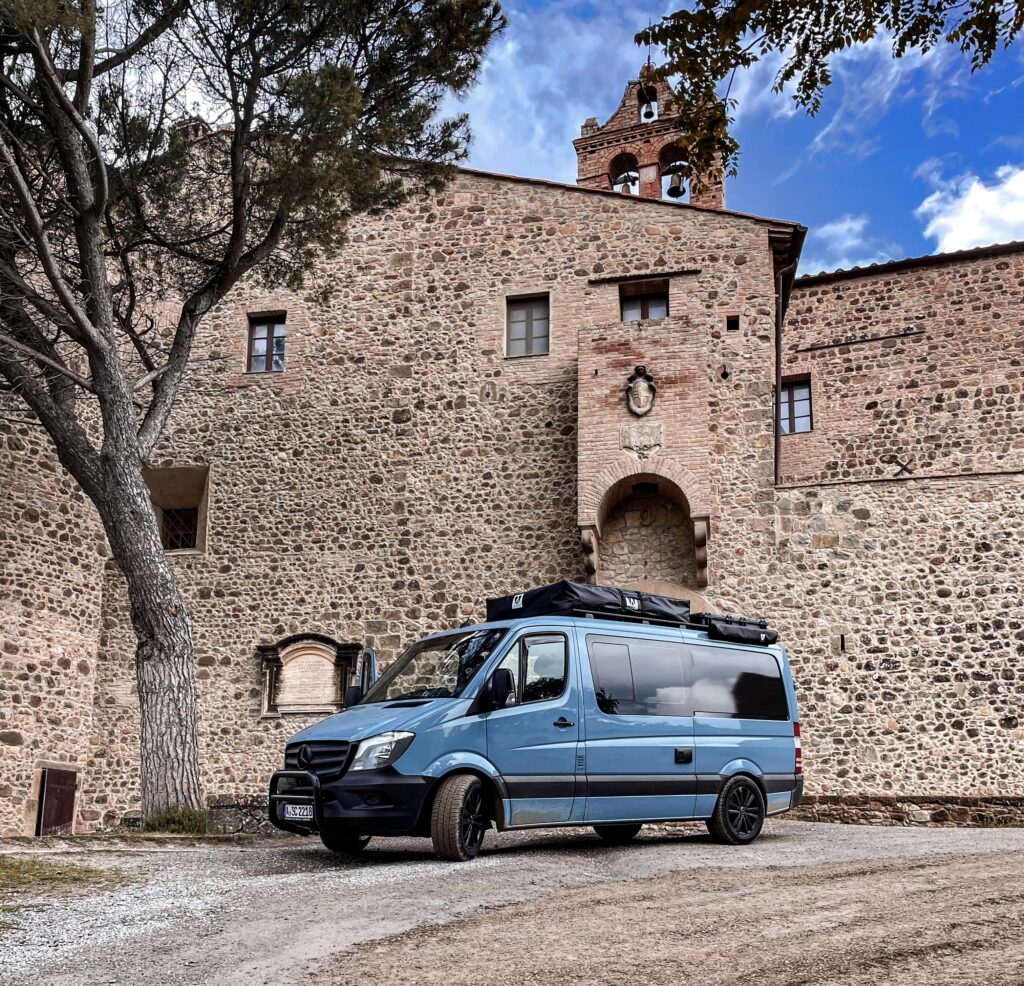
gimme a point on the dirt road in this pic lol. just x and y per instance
(807, 904)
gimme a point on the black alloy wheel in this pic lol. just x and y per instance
(459, 818)
(739, 813)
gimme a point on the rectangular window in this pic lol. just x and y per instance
(179, 496)
(180, 529)
(732, 323)
(643, 299)
(266, 344)
(796, 406)
(639, 677)
(528, 321)
(734, 684)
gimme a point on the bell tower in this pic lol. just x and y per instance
(635, 151)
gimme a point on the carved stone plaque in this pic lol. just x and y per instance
(642, 440)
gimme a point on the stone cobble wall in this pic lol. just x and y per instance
(900, 603)
(400, 469)
(942, 813)
(51, 562)
(647, 538)
(922, 366)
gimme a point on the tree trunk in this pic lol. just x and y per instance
(164, 657)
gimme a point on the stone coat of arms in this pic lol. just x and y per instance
(640, 392)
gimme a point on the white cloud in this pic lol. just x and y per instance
(968, 212)
(845, 242)
(869, 81)
(551, 70)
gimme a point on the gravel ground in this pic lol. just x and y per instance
(821, 904)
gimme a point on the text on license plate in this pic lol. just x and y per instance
(298, 813)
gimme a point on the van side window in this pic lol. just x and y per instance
(639, 677)
(543, 667)
(737, 684)
(511, 663)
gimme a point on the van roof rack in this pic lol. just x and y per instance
(606, 602)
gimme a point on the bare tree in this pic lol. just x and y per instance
(117, 203)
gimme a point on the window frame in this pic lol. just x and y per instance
(527, 301)
(521, 657)
(272, 321)
(787, 417)
(645, 305)
(733, 650)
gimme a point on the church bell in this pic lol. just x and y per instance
(648, 110)
(675, 186)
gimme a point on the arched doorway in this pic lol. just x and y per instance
(647, 537)
(647, 543)
(638, 529)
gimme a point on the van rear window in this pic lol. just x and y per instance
(737, 684)
(633, 676)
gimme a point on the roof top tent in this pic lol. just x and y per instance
(580, 599)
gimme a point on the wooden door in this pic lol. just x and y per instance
(57, 802)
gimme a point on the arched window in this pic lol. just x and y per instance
(624, 174)
(647, 98)
(670, 165)
(307, 675)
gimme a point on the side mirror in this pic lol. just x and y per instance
(502, 685)
(367, 668)
(353, 695)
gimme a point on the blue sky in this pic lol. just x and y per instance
(905, 157)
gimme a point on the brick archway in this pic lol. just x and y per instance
(606, 490)
(600, 494)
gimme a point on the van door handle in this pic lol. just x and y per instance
(562, 723)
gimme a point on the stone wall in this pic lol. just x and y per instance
(920, 367)
(647, 538)
(900, 603)
(51, 549)
(400, 469)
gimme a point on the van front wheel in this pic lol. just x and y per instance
(618, 835)
(739, 814)
(458, 819)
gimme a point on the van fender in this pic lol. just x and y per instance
(465, 760)
(742, 766)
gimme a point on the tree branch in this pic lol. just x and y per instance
(46, 361)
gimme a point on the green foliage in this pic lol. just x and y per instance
(705, 44)
(176, 821)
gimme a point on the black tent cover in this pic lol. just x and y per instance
(568, 598)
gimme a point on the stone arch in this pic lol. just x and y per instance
(672, 483)
(599, 489)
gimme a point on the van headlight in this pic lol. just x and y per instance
(379, 751)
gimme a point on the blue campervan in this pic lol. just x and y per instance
(573, 705)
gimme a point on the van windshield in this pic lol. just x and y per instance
(439, 667)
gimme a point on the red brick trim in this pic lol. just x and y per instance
(593, 506)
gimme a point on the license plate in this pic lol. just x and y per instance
(297, 813)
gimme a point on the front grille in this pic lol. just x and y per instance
(326, 758)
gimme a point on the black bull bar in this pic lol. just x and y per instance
(310, 781)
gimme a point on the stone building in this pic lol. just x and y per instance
(518, 381)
